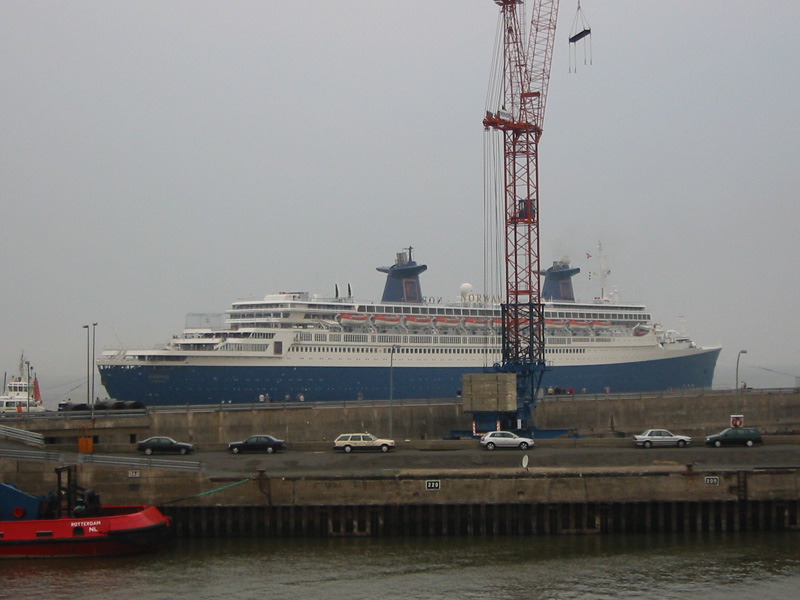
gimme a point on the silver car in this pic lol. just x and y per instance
(660, 437)
(505, 439)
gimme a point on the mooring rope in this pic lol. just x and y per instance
(206, 493)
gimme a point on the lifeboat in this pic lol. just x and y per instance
(553, 323)
(641, 330)
(580, 324)
(601, 324)
(522, 323)
(387, 319)
(447, 321)
(476, 322)
(414, 321)
(353, 319)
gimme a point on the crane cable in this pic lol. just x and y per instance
(493, 175)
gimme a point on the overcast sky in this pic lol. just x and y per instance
(160, 158)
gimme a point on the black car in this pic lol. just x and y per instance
(735, 436)
(257, 443)
(163, 444)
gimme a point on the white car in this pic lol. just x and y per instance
(505, 439)
(661, 437)
(347, 442)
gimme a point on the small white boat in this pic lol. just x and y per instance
(21, 394)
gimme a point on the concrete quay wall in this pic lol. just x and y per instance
(693, 413)
(668, 483)
(213, 428)
(480, 502)
(696, 414)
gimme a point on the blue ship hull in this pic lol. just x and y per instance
(181, 384)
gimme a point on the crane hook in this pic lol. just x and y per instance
(580, 31)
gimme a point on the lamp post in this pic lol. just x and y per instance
(88, 367)
(737, 422)
(738, 356)
(391, 387)
(94, 326)
(28, 386)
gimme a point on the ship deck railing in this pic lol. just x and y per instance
(693, 392)
(303, 404)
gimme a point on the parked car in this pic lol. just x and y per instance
(258, 443)
(735, 436)
(660, 437)
(163, 444)
(347, 442)
(505, 439)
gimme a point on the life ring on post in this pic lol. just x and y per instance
(737, 422)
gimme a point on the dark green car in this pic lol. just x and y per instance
(257, 443)
(735, 436)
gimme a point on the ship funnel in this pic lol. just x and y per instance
(402, 279)
(558, 282)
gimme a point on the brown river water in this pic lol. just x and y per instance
(728, 566)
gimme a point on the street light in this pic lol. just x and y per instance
(88, 348)
(28, 386)
(89, 370)
(738, 356)
(94, 325)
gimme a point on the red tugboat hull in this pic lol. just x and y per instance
(116, 530)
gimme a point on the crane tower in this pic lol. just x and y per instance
(516, 113)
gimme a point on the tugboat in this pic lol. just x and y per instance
(21, 392)
(71, 522)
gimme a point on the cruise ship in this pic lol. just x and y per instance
(296, 347)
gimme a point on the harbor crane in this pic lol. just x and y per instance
(516, 114)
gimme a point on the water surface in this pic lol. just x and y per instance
(728, 566)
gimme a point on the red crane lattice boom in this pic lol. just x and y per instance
(518, 117)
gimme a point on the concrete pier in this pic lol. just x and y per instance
(668, 498)
(562, 518)
(379, 501)
(694, 413)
